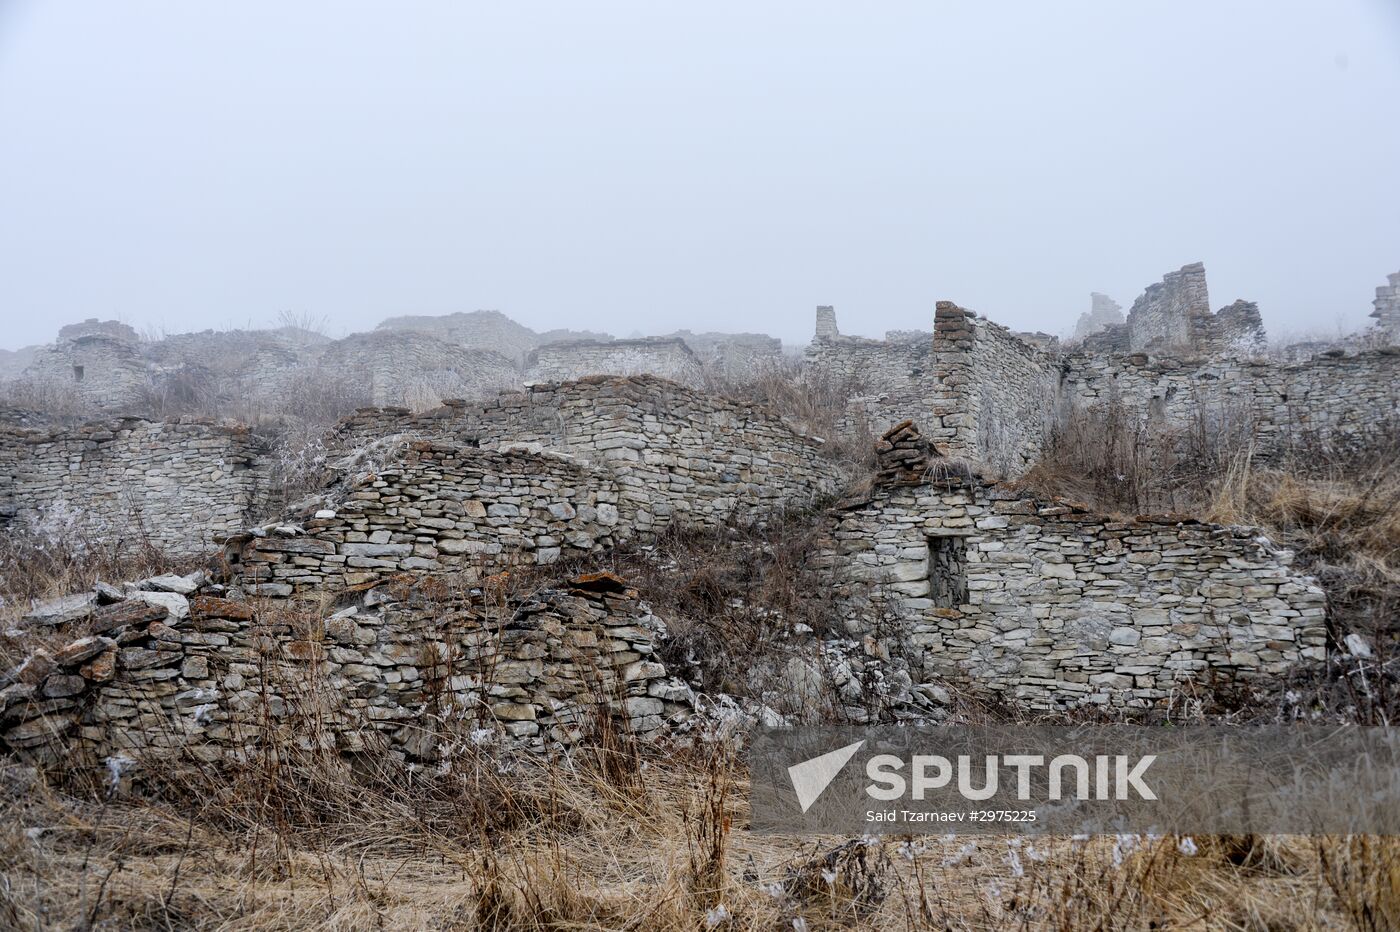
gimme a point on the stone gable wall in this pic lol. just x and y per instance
(997, 394)
(1161, 318)
(1060, 607)
(408, 669)
(178, 483)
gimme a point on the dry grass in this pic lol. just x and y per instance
(316, 842)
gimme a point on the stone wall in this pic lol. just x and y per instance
(1327, 398)
(1053, 606)
(734, 357)
(1104, 312)
(1161, 318)
(416, 670)
(668, 358)
(997, 394)
(437, 509)
(677, 453)
(97, 371)
(178, 483)
(1387, 310)
(406, 367)
(886, 381)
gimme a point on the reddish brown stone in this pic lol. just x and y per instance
(599, 582)
(102, 669)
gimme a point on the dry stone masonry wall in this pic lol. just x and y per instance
(1327, 399)
(1054, 606)
(411, 669)
(1387, 310)
(177, 484)
(677, 454)
(441, 509)
(997, 392)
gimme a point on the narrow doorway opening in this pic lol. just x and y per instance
(77, 373)
(947, 571)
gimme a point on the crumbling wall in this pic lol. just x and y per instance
(1054, 606)
(885, 381)
(100, 372)
(1160, 320)
(1104, 312)
(405, 367)
(482, 330)
(734, 357)
(1326, 399)
(440, 508)
(1387, 311)
(177, 484)
(668, 358)
(996, 395)
(414, 670)
(677, 453)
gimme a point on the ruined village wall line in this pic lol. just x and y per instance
(178, 484)
(408, 672)
(1329, 398)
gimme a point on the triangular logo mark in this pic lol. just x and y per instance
(811, 777)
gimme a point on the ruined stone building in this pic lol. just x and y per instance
(1387, 310)
(1050, 604)
(1103, 313)
(384, 601)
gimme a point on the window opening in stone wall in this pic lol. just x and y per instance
(77, 373)
(947, 571)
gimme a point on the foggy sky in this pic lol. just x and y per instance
(718, 165)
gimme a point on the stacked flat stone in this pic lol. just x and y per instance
(902, 455)
(1065, 607)
(409, 669)
(177, 484)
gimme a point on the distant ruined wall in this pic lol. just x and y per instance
(413, 671)
(178, 483)
(1053, 606)
(997, 394)
(103, 373)
(405, 367)
(1387, 310)
(481, 330)
(1326, 398)
(678, 453)
(667, 358)
(1104, 312)
(886, 380)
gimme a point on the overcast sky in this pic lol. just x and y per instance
(717, 165)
